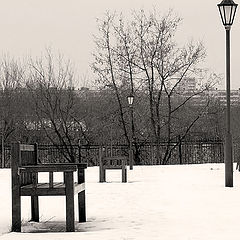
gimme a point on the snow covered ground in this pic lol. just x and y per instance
(187, 202)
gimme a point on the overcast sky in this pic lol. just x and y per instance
(28, 26)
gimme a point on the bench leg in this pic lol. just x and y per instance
(102, 174)
(69, 202)
(82, 206)
(16, 212)
(16, 197)
(124, 175)
(35, 208)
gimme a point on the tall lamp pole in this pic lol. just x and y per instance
(130, 103)
(2, 143)
(227, 9)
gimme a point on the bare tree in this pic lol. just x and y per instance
(106, 65)
(50, 82)
(115, 68)
(141, 56)
(11, 78)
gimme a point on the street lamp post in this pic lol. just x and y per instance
(130, 103)
(2, 142)
(227, 9)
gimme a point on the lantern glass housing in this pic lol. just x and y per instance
(130, 99)
(227, 9)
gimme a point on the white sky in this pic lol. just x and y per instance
(28, 26)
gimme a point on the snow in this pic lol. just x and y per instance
(180, 202)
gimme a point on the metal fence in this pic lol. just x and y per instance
(185, 153)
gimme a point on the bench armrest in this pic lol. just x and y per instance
(48, 168)
(79, 165)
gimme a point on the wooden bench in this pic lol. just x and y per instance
(25, 169)
(112, 162)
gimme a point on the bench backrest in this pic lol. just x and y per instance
(114, 162)
(111, 161)
(23, 155)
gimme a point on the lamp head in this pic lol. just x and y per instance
(227, 9)
(130, 99)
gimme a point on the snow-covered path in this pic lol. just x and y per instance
(187, 202)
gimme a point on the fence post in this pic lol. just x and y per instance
(102, 172)
(3, 152)
(180, 149)
(151, 150)
(79, 153)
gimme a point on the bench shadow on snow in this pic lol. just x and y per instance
(60, 226)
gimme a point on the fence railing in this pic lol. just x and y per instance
(185, 153)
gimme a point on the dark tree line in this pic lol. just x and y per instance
(139, 56)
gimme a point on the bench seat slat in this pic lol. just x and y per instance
(79, 165)
(43, 189)
(57, 184)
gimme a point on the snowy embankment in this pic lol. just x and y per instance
(158, 202)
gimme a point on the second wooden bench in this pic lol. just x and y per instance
(112, 162)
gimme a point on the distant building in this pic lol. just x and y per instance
(187, 85)
(186, 89)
